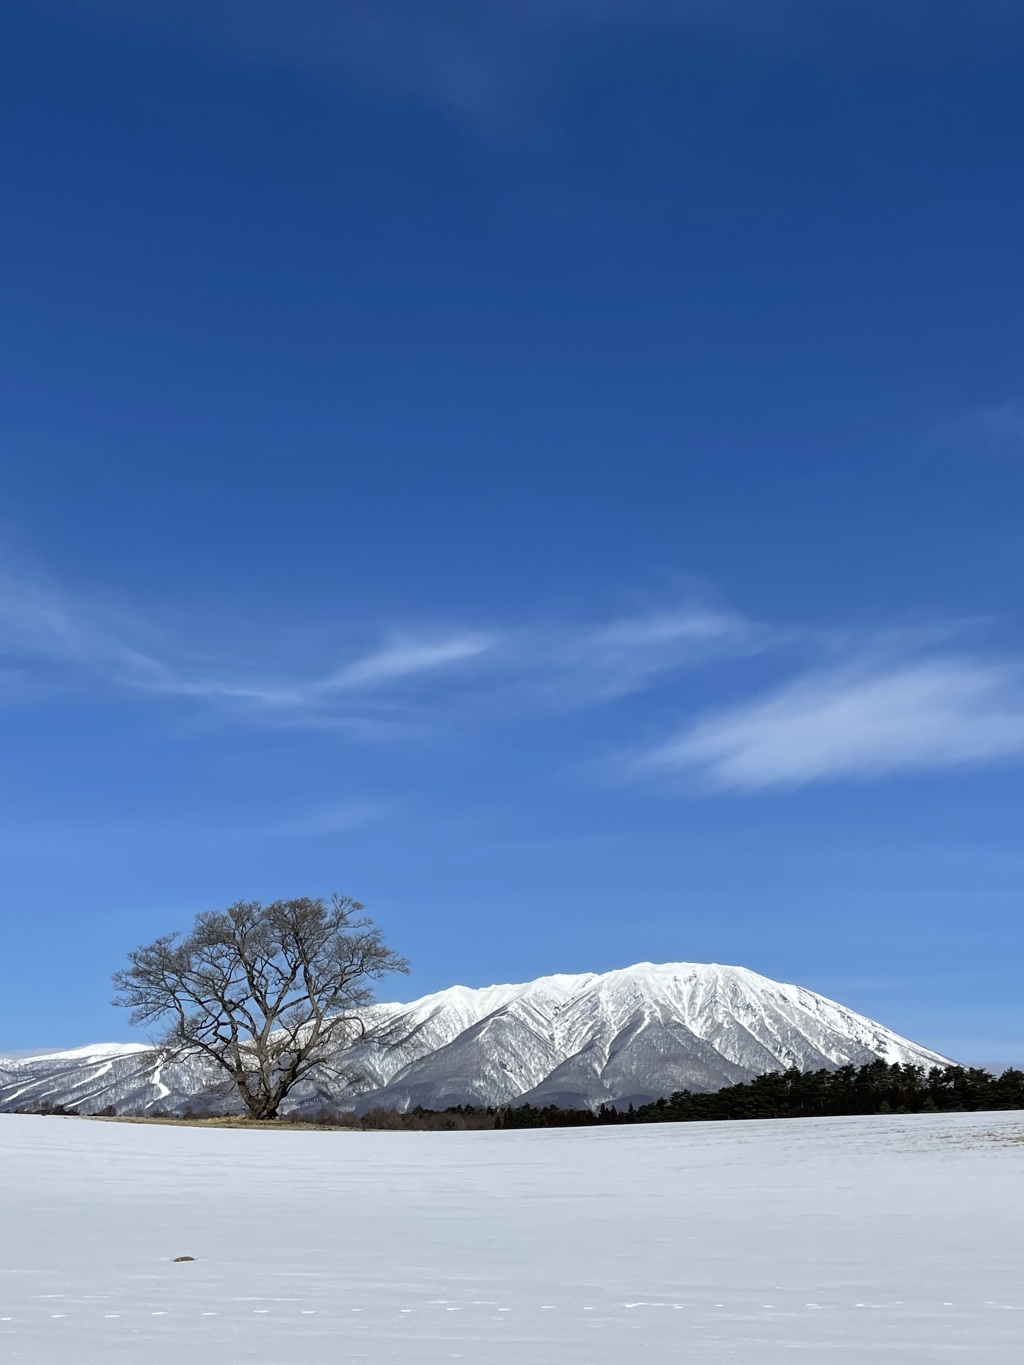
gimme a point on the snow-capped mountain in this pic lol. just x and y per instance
(622, 1036)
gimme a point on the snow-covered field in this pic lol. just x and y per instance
(896, 1240)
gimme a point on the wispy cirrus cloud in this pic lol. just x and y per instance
(40, 623)
(873, 707)
(404, 657)
(590, 664)
(80, 638)
(865, 720)
(413, 677)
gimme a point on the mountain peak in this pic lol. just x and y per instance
(626, 1035)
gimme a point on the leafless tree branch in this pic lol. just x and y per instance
(269, 993)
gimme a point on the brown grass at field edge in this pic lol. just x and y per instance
(223, 1121)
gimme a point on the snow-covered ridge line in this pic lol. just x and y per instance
(622, 1036)
(90, 1050)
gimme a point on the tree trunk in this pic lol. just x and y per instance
(261, 1106)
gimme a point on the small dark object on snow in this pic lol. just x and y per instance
(184, 1258)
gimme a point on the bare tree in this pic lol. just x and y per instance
(269, 993)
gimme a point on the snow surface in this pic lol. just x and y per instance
(92, 1051)
(623, 1036)
(893, 1239)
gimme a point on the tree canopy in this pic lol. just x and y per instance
(270, 994)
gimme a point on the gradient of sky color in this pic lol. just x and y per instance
(550, 470)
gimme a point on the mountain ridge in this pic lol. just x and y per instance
(577, 1040)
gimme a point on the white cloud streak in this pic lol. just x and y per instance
(414, 679)
(403, 658)
(902, 703)
(581, 665)
(43, 627)
(859, 722)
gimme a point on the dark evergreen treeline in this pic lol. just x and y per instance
(877, 1088)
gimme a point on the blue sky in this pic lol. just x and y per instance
(550, 470)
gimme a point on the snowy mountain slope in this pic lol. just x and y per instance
(624, 1036)
(641, 1032)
